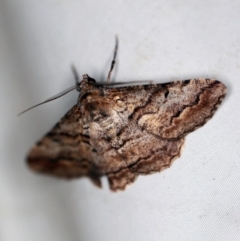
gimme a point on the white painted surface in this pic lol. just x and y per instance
(198, 197)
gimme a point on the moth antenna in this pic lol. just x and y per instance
(64, 92)
(75, 73)
(114, 60)
(141, 82)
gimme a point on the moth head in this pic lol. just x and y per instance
(88, 79)
(86, 83)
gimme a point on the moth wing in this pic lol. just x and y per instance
(188, 106)
(171, 110)
(157, 117)
(66, 150)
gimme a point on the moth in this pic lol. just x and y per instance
(124, 131)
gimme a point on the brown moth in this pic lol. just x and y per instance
(123, 132)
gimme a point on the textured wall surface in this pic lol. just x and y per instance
(198, 197)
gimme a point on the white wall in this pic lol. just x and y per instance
(198, 197)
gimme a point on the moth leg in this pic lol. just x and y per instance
(119, 180)
(96, 181)
(113, 61)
